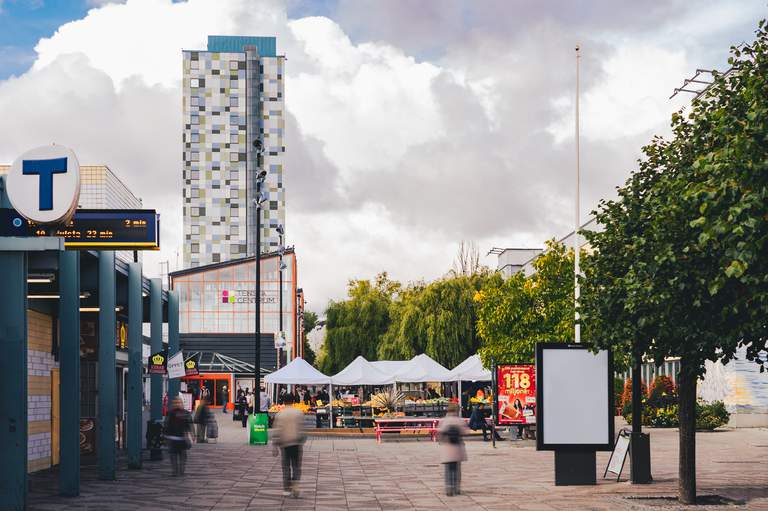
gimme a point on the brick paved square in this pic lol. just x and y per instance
(358, 473)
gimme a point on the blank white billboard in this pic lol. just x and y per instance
(575, 405)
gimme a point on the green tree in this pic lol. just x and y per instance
(516, 313)
(310, 322)
(437, 319)
(679, 268)
(355, 326)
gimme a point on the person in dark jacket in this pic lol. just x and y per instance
(477, 421)
(242, 402)
(178, 428)
(201, 419)
(224, 399)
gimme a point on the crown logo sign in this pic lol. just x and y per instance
(158, 359)
(190, 364)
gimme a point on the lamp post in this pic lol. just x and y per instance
(281, 267)
(260, 177)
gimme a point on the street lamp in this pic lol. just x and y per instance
(258, 201)
(282, 266)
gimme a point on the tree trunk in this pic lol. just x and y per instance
(687, 416)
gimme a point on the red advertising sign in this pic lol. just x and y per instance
(516, 393)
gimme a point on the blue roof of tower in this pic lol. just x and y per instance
(267, 46)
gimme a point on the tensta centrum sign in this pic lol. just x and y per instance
(43, 184)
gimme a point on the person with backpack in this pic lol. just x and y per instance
(242, 402)
(451, 431)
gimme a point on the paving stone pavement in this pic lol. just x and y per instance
(359, 474)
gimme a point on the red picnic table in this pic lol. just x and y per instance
(399, 424)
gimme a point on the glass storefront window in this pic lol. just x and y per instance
(223, 300)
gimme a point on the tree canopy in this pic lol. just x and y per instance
(355, 326)
(516, 313)
(679, 268)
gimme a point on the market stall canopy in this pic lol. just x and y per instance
(298, 372)
(361, 372)
(471, 370)
(421, 368)
(390, 367)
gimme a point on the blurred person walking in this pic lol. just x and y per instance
(288, 436)
(201, 419)
(178, 429)
(452, 450)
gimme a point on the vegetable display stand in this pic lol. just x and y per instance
(257, 427)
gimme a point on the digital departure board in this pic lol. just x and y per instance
(93, 229)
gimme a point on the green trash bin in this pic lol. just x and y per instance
(258, 425)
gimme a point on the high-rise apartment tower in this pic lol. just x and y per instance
(233, 97)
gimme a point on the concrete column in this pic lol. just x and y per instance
(13, 380)
(69, 363)
(173, 338)
(135, 365)
(107, 407)
(156, 341)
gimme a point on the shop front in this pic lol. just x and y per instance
(214, 387)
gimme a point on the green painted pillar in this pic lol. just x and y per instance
(156, 341)
(13, 380)
(107, 407)
(173, 338)
(135, 365)
(69, 363)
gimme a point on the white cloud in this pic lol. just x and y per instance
(630, 98)
(369, 103)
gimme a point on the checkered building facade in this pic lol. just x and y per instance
(233, 94)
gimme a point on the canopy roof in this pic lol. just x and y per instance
(471, 370)
(361, 372)
(298, 372)
(421, 368)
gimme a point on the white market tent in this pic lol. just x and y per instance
(298, 372)
(471, 370)
(422, 368)
(361, 372)
(390, 367)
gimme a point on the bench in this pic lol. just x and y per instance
(398, 425)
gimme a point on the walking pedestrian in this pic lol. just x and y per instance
(178, 428)
(224, 399)
(250, 401)
(242, 402)
(452, 450)
(288, 437)
(201, 419)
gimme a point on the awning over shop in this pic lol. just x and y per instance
(213, 362)
(361, 372)
(422, 368)
(298, 372)
(471, 370)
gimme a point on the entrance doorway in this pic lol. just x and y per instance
(211, 385)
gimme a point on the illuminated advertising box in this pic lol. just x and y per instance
(515, 394)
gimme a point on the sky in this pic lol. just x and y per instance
(410, 126)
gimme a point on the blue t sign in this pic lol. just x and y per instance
(45, 169)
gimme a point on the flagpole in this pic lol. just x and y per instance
(576, 247)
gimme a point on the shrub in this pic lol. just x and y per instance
(711, 415)
(663, 392)
(618, 391)
(626, 397)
